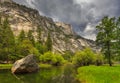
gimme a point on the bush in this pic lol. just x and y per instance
(68, 55)
(26, 47)
(84, 57)
(50, 58)
(41, 48)
(99, 59)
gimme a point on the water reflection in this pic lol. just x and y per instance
(50, 75)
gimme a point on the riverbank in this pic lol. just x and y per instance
(99, 74)
(41, 65)
(5, 66)
(8, 66)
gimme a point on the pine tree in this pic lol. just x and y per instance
(26, 47)
(39, 34)
(39, 44)
(21, 36)
(1, 36)
(31, 37)
(49, 43)
(7, 39)
(1, 30)
(105, 36)
(117, 38)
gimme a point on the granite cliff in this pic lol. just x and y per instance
(62, 35)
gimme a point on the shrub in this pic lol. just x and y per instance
(26, 47)
(99, 59)
(41, 48)
(68, 55)
(51, 58)
(84, 57)
(60, 59)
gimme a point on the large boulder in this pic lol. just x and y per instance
(25, 65)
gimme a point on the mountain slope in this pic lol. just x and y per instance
(62, 35)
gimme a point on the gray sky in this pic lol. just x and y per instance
(83, 15)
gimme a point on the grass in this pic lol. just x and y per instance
(41, 65)
(99, 74)
(8, 66)
(5, 66)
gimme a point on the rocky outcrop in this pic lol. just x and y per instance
(62, 35)
(25, 65)
(5, 1)
(67, 28)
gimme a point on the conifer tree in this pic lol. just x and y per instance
(39, 35)
(7, 39)
(21, 36)
(117, 38)
(31, 37)
(105, 36)
(49, 43)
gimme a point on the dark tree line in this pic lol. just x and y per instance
(12, 47)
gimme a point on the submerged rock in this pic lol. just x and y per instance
(25, 65)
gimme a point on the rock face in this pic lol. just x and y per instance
(62, 34)
(25, 65)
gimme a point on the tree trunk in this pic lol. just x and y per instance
(109, 53)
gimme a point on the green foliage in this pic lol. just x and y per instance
(26, 47)
(116, 43)
(84, 57)
(101, 74)
(51, 58)
(39, 35)
(105, 29)
(106, 35)
(49, 43)
(21, 36)
(31, 37)
(99, 59)
(68, 55)
(7, 40)
(5, 66)
(42, 65)
(41, 48)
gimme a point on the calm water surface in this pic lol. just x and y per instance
(45, 75)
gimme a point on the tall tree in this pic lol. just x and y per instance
(26, 47)
(21, 36)
(31, 37)
(49, 43)
(1, 37)
(7, 39)
(1, 30)
(117, 38)
(39, 44)
(105, 36)
(39, 35)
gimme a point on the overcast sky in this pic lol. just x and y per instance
(83, 15)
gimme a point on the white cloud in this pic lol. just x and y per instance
(89, 31)
(89, 28)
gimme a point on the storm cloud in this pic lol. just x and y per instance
(83, 15)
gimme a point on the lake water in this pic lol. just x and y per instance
(45, 75)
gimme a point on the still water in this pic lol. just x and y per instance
(45, 75)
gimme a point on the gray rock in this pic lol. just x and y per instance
(25, 65)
